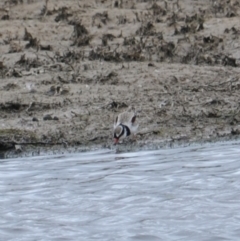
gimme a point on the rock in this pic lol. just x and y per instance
(47, 117)
(51, 91)
(18, 148)
(151, 65)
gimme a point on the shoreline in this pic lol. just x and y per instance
(38, 151)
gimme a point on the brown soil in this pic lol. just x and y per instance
(68, 68)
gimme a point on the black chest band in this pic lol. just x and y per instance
(126, 128)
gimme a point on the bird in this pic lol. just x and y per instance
(125, 125)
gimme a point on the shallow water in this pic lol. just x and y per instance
(190, 193)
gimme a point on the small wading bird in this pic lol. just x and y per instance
(125, 125)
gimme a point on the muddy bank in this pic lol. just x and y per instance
(50, 150)
(67, 68)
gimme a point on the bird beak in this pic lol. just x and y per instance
(115, 140)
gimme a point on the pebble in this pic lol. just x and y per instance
(47, 117)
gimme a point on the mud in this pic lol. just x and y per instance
(67, 68)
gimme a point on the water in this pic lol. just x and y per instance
(190, 193)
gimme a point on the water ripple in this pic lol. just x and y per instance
(189, 193)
